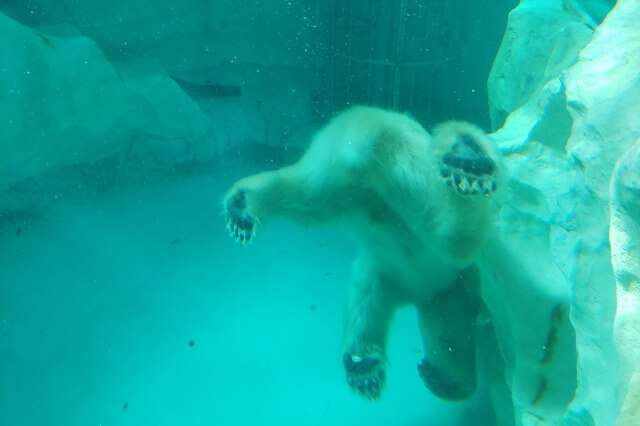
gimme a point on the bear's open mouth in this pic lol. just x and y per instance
(468, 169)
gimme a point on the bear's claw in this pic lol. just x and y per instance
(365, 375)
(468, 169)
(442, 386)
(240, 223)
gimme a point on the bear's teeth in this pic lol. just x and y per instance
(464, 185)
(476, 187)
(488, 186)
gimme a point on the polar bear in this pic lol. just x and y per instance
(418, 207)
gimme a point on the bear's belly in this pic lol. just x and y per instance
(420, 277)
(416, 271)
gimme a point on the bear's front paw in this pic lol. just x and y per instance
(442, 385)
(365, 375)
(240, 223)
(468, 168)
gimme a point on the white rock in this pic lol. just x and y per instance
(543, 38)
(561, 147)
(625, 251)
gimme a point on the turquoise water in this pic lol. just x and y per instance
(123, 301)
(107, 293)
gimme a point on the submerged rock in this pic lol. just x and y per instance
(64, 103)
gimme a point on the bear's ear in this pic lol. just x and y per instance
(468, 159)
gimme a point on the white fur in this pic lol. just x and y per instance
(377, 172)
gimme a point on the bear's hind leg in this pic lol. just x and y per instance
(369, 309)
(447, 327)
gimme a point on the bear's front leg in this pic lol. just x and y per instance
(247, 203)
(253, 200)
(241, 221)
(369, 309)
(290, 192)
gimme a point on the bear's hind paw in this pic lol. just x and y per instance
(240, 223)
(365, 375)
(443, 386)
